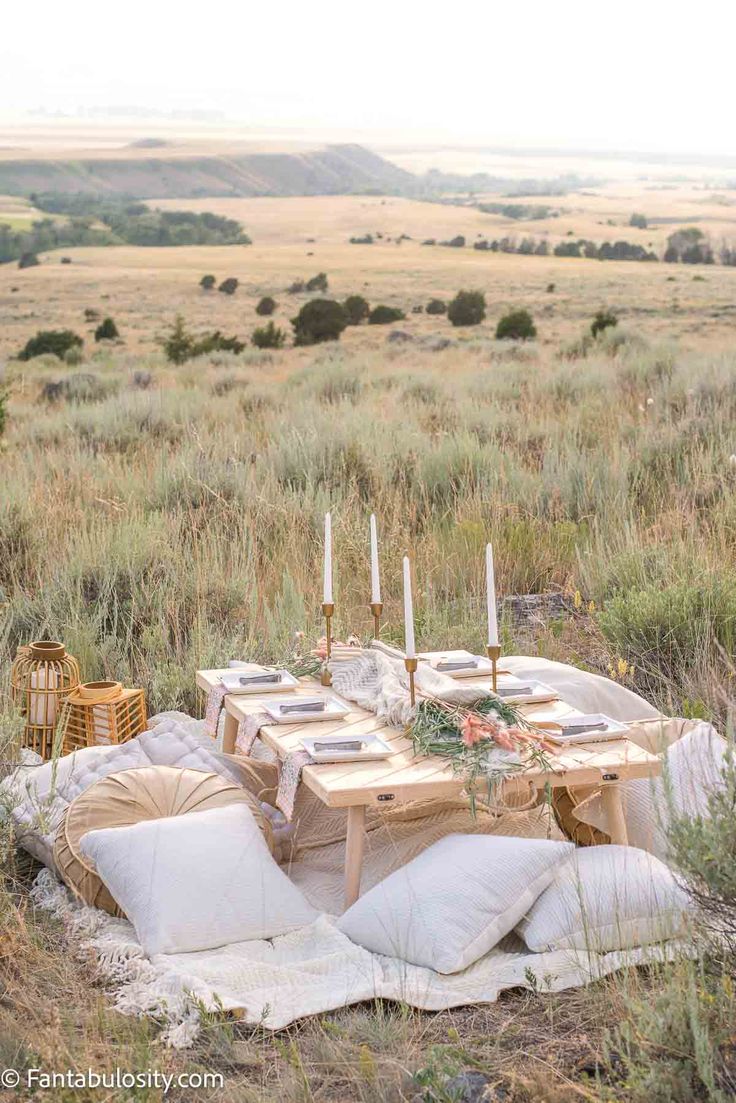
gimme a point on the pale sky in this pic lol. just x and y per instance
(645, 75)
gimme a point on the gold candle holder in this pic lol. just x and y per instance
(376, 608)
(494, 654)
(411, 667)
(328, 611)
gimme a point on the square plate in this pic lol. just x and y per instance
(524, 691)
(250, 684)
(373, 748)
(464, 663)
(333, 710)
(612, 729)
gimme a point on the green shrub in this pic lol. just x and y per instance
(4, 396)
(319, 320)
(468, 308)
(106, 331)
(604, 319)
(178, 344)
(357, 309)
(639, 221)
(383, 315)
(229, 286)
(516, 326)
(207, 283)
(436, 306)
(56, 342)
(295, 288)
(28, 260)
(216, 342)
(317, 283)
(269, 337)
(266, 306)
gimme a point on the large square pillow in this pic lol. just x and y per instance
(196, 882)
(607, 898)
(455, 901)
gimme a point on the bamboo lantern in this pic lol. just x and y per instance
(101, 714)
(41, 676)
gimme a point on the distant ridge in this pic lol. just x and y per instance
(334, 170)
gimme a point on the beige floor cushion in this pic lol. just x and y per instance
(132, 796)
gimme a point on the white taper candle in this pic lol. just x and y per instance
(375, 576)
(327, 597)
(491, 599)
(409, 645)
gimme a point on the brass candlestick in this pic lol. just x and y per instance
(376, 608)
(328, 610)
(411, 667)
(494, 654)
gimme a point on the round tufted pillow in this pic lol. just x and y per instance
(127, 797)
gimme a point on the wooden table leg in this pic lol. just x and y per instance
(229, 734)
(611, 796)
(354, 853)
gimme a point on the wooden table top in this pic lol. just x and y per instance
(407, 777)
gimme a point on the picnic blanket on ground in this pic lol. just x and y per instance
(317, 968)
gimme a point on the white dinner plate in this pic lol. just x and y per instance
(280, 710)
(247, 681)
(528, 691)
(586, 729)
(463, 664)
(373, 748)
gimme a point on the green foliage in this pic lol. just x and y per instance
(357, 309)
(266, 306)
(468, 308)
(319, 320)
(229, 286)
(317, 283)
(436, 306)
(383, 315)
(639, 221)
(180, 345)
(107, 331)
(295, 288)
(518, 325)
(207, 283)
(664, 626)
(269, 337)
(56, 342)
(604, 319)
(28, 260)
(4, 398)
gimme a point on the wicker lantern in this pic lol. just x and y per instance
(41, 676)
(101, 713)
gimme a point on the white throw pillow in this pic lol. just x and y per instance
(198, 881)
(607, 898)
(455, 901)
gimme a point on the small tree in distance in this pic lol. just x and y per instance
(318, 282)
(604, 319)
(107, 331)
(436, 306)
(229, 286)
(319, 320)
(269, 337)
(383, 315)
(518, 325)
(57, 342)
(266, 306)
(357, 309)
(28, 260)
(207, 283)
(468, 308)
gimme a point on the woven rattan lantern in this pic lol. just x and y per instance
(99, 714)
(41, 676)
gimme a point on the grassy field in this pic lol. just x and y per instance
(169, 520)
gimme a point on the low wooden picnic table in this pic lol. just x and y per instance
(406, 777)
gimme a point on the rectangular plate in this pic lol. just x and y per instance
(539, 692)
(482, 669)
(614, 729)
(333, 710)
(375, 748)
(232, 685)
